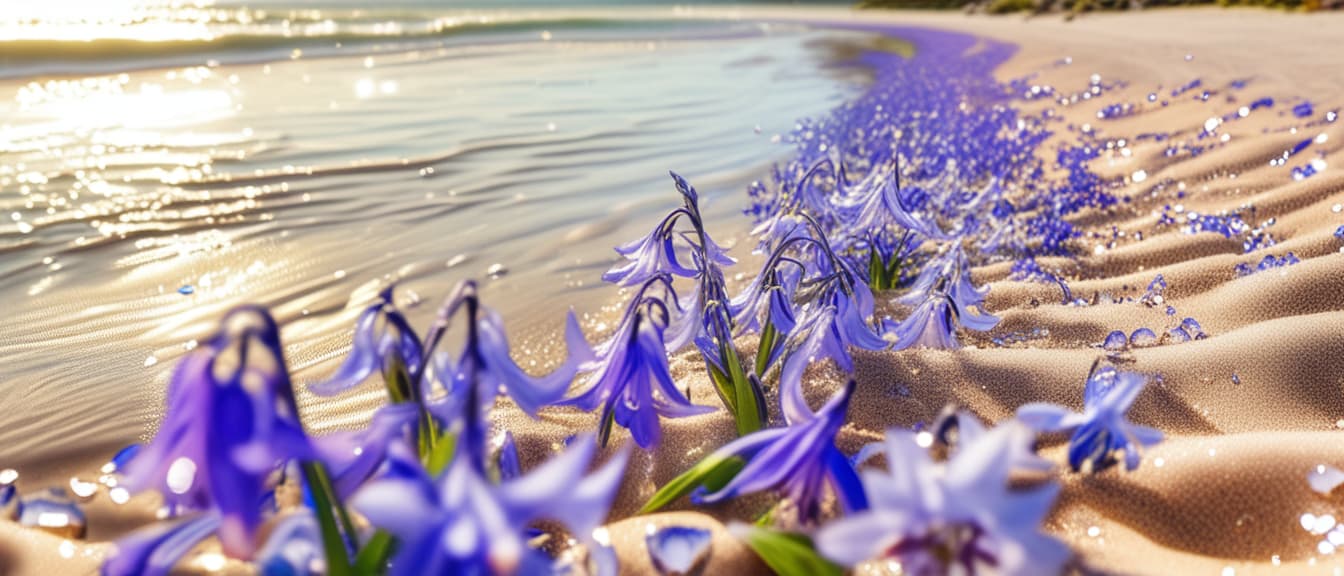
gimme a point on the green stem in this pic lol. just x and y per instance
(319, 486)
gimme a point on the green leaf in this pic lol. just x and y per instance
(786, 553)
(748, 412)
(876, 271)
(397, 381)
(724, 387)
(324, 503)
(712, 473)
(604, 431)
(373, 558)
(441, 454)
(768, 337)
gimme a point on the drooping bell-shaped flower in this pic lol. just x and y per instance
(355, 456)
(485, 369)
(462, 523)
(1102, 429)
(294, 547)
(874, 205)
(384, 343)
(934, 323)
(797, 462)
(231, 420)
(630, 381)
(952, 270)
(958, 517)
(657, 252)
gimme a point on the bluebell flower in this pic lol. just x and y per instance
(953, 270)
(384, 342)
(958, 517)
(355, 456)
(472, 379)
(231, 420)
(934, 323)
(630, 380)
(294, 547)
(462, 523)
(484, 369)
(657, 253)
(797, 462)
(153, 551)
(875, 203)
(1102, 429)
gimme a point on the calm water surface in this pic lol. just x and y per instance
(302, 165)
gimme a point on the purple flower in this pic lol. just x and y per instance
(953, 270)
(384, 342)
(958, 517)
(1102, 429)
(656, 253)
(825, 331)
(933, 324)
(482, 370)
(630, 380)
(154, 550)
(875, 204)
(797, 462)
(231, 420)
(461, 523)
(354, 457)
(294, 547)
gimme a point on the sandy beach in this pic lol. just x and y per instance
(1248, 412)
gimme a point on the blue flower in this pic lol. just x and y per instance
(958, 517)
(461, 523)
(294, 547)
(355, 456)
(231, 420)
(630, 380)
(1102, 429)
(384, 342)
(827, 330)
(875, 204)
(656, 253)
(953, 270)
(933, 324)
(796, 462)
(484, 369)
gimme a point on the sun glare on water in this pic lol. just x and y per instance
(87, 20)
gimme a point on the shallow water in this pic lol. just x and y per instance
(140, 205)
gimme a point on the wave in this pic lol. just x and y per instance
(251, 40)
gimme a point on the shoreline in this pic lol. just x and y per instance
(1291, 317)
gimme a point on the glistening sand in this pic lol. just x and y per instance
(1230, 489)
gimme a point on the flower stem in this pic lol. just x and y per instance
(324, 500)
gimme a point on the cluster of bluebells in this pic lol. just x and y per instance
(434, 493)
(891, 198)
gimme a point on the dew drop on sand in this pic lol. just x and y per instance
(1143, 337)
(1115, 341)
(496, 271)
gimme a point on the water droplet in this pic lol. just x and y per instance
(1115, 341)
(1236, 379)
(496, 270)
(678, 549)
(53, 511)
(1143, 337)
(151, 360)
(186, 290)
